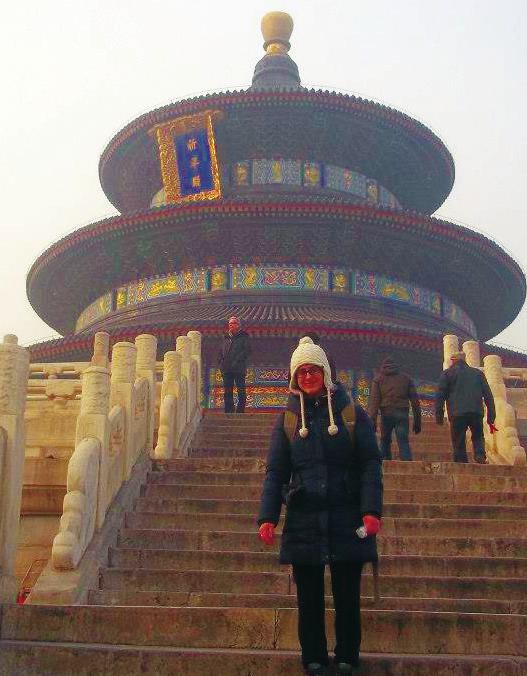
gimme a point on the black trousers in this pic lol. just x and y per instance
(398, 421)
(458, 429)
(229, 380)
(345, 584)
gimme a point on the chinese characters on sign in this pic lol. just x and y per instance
(187, 155)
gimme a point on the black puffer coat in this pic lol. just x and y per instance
(327, 483)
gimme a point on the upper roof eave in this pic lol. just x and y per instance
(380, 113)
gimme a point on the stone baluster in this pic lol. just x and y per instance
(124, 357)
(146, 368)
(183, 348)
(172, 408)
(471, 349)
(450, 346)
(101, 349)
(93, 423)
(195, 351)
(14, 372)
(503, 447)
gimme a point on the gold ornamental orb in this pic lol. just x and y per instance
(276, 30)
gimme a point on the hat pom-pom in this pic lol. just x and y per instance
(303, 431)
(306, 340)
(333, 429)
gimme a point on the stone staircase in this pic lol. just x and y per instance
(189, 589)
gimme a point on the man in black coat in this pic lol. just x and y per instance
(330, 479)
(234, 353)
(463, 389)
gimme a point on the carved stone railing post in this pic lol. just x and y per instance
(450, 346)
(172, 407)
(122, 394)
(471, 349)
(93, 422)
(188, 371)
(146, 368)
(101, 349)
(195, 351)
(87, 497)
(14, 371)
(503, 447)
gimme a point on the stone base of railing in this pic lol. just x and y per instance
(8, 588)
(71, 587)
(187, 436)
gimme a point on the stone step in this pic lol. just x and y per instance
(281, 582)
(419, 496)
(61, 659)
(268, 561)
(394, 509)
(466, 528)
(235, 465)
(433, 452)
(158, 537)
(457, 482)
(386, 631)
(428, 497)
(202, 599)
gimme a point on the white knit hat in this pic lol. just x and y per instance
(309, 353)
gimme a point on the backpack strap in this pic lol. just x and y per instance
(290, 425)
(349, 417)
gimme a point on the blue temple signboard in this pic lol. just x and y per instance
(187, 157)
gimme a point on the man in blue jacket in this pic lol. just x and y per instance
(464, 389)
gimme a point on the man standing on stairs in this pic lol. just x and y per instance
(325, 465)
(463, 389)
(233, 357)
(390, 393)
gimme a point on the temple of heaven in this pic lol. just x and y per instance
(297, 210)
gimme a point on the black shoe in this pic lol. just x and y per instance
(481, 459)
(316, 669)
(342, 668)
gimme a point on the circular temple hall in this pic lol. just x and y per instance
(296, 210)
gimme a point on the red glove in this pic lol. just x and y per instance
(266, 533)
(372, 524)
(492, 428)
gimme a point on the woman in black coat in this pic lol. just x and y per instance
(329, 477)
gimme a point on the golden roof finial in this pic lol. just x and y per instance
(276, 30)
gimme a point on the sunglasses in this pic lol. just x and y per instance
(309, 371)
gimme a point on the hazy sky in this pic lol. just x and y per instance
(75, 71)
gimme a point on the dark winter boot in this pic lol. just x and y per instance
(316, 669)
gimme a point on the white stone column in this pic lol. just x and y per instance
(124, 356)
(195, 352)
(450, 346)
(172, 407)
(93, 423)
(101, 349)
(146, 345)
(183, 348)
(503, 447)
(471, 349)
(14, 372)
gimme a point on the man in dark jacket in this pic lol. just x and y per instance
(390, 392)
(233, 357)
(463, 388)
